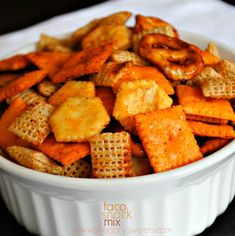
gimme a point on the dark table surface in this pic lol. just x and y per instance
(17, 9)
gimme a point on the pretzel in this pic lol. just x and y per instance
(7, 77)
(111, 155)
(47, 88)
(177, 59)
(149, 25)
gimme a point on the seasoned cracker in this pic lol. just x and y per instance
(49, 61)
(21, 84)
(47, 88)
(14, 63)
(118, 18)
(167, 138)
(211, 130)
(108, 98)
(72, 89)
(213, 145)
(84, 62)
(119, 34)
(206, 119)
(137, 97)
(17, 107)
(32, 125)
(7, 77)
(82, 118)
(65, 153)
(53, 44)
(111, 155)
(194, 103)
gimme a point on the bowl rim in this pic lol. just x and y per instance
(14, 169)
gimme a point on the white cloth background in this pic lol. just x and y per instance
(212, 18)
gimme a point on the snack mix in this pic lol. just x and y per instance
(112, 101)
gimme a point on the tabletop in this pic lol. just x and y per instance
(27, 13)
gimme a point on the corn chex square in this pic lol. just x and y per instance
(32, 125)
(111, 155)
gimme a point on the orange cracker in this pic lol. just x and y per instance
(213, 145)
(7, 77)
(194, 103)
(7, 138)
(65, 153)
(167, 138)
(209, 59)
(85, 62)
(206, 119)
(146, 73)
(49, 61)
(209, 130)
(108, 98)
(72, 89)
(22, 83)
(13, 63)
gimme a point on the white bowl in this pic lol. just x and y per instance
(180, 202)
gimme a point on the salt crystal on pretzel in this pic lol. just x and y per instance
(53, 44)
(213, 145)
(47, 88)
(65, 153)
(107, 97)
(211, 130)
(194, 103)
(111, 155)
(82, 118)
(109, 33)
(49, 61)
(206, 119)
(178, 59)
(121, 56)
(167, 138)
(21, 84)
(84, 62)
(29, 97)
(137, 97)
(14, 63)
(72, 89)
(32, 125)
